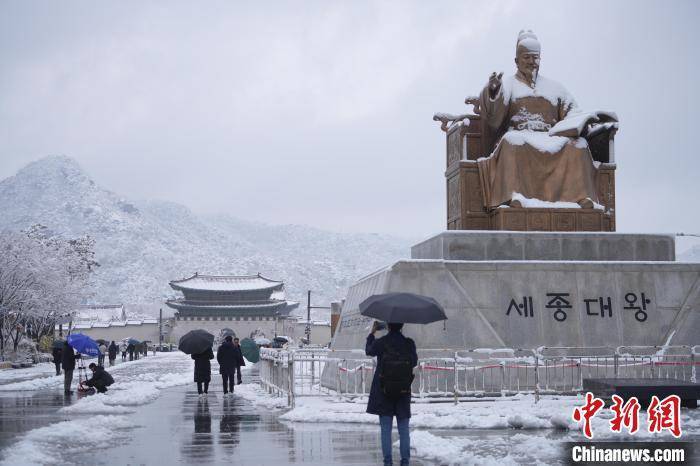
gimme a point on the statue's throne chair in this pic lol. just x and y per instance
(465, 204)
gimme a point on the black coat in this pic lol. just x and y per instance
(239, 356)
(68, 358)
(202, 366)
(57, 354)
(112, 351)
(378, 403)
(226, 355)
(99, 378)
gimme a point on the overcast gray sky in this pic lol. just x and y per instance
(319, 113)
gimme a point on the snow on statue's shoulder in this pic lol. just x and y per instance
(544, 87)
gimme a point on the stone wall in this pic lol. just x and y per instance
(514, 303)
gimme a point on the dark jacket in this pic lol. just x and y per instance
(239, 356)
(100, 379)
(202, 366)
(57, 354)
(226, 355)
(112, 351)
(130, 348)
(68, 357)
(378, 403)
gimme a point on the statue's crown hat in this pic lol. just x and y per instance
(527, 40)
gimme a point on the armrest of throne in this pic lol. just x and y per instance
(601, 141)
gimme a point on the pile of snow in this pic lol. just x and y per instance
(39, 370)
(57, 443)
(256, 395)
(537, 203)
(540, 140)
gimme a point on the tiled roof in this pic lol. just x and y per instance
(199, 282)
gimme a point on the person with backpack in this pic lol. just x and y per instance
(390, 394)
(226, 356)
(101, 379)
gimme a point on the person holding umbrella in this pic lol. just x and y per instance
(68, 358)
(198, 344)
(390, 393)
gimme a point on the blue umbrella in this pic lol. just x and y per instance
(83, 344)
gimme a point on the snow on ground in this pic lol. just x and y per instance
(99, 420)
(513, 430)
(256, 395)
(56, 443)
(43, 369)
(149, 363)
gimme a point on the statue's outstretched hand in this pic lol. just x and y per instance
(495, 81)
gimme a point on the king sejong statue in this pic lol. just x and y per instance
(536, 128)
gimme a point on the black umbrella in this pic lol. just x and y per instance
(407, 308)
(196, 341)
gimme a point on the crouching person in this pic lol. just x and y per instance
(101, 379)
(390, 395)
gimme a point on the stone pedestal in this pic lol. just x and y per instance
(526, 290)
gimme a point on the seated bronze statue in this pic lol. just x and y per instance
(536, 143)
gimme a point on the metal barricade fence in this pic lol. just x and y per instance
(473, 373)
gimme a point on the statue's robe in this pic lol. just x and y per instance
(526, 159)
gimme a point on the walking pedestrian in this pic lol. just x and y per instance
(390, 394)
(112, 351)
(100, 379)
(226, 356)
(122, 348)
(202, 370)
(68, 358)
(145, 349)
(240, 361)
(101, 356)
(57, 351)
(130, 349)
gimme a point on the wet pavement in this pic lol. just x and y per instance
(24, 411)
(178, 427)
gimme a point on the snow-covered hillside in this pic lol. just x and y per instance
(141, 245)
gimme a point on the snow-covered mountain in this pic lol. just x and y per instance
(142, 245)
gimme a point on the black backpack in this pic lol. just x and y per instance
(109, 380)
(395, 372)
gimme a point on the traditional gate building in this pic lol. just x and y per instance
(249, 305)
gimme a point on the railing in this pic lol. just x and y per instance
(475, 372)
